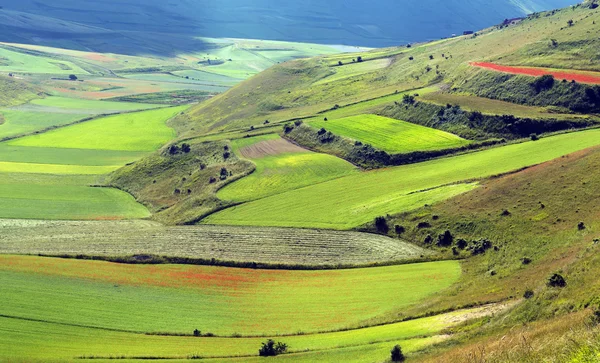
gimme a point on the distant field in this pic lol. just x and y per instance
(247, 244)
(355, 69)
(23, 122)
(393, 136)
(569, 75)
(496, 107)
(141, 131)
(280, 166)
(95, 106)
(166, 298)
(12, 61)
(356, 199)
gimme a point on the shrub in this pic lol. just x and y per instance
(428, 239)
(197, 333)
(174, 149)
(271, 349)
(422, 225)
(461, 243)
(445, 239)
(72, 77)
(359, 59)
(526, 260)
(212, 180)
(226, 155)
(543, 83)
(298, 122)
(408, 99)
(381, 225)
(556, 280)
(430, 57)
(411, 58)
(570, 22)
(287, 128)
(581, 226)
(340, 63)
(534, 137)
(397, 355)
(399, 229)
(528, 294)
(185, 148)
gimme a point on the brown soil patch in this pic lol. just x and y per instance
(269, 148)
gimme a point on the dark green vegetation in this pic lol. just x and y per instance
(472, 236)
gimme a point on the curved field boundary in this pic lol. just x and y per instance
(577, 76)
(260, 245)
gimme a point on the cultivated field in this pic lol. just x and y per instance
(393, 136)
(569, 75)
(395, 190)
(165, 298)
(280, 166)
(244, 244)
(141, 131)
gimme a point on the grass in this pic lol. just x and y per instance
(141, 131)
(96, 105)
(283, 171)
(26, 63)
(54, 197)
(393, 136)
(351, 201)
(15, 92)
(246, 244)
(497, 107)
(39, 341)
(166, 298)
(24, 122)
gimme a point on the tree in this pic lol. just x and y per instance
(185, 148)
(174, 149)
(72, 77)
(340, 63)
(359, 59)
(556, 280)
(271, 349)
(197, 333)
(381, 225)
(408, 99)
(397, 355)
(431, 57)
(570, 22)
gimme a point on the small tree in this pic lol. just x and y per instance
(174, 149)
(72, 77)
(397, 355)
(340, 63)
(185, 148)
(359, 59)
(271, 349)
(570, 22)
(431, 57)
(381, 225)
(197, 333)
(556, 280)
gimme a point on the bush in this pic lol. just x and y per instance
(197, 333)
(72, 77)
(534, 137)
(271, 349)
(528, 294)
(422, 225)
(445, 239)
(381, 225)
(556, 280)
(174, 149)
(185, 148)
(226, 155)
(397, 355)
(399, 229)
(543, 83)
(581, 226)
(287, 128)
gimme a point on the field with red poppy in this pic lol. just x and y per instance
(569, 75)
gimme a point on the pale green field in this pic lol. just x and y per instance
(140, 131)
(356, 199)
(11, 61)
(355, 69)
(38, 196)
(279, 173)
(95, 106)
(166, 298)
(23, 122)
(393, 136)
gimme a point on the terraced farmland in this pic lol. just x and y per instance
(245, 244)
(393, 136)
(394, 190)
(165, 298)
(140, 131)
(281, 166)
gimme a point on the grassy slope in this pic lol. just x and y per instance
(165, 298)
(375, 193)
(23, 122)
(393, 136)
(279, 173)
(14, 92)
(141, 131)
(289, 90)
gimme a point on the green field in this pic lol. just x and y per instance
(140, 131)
(282, 171)
(24, 122)
(393, 136)
(47, 342)
(166, 298)
(96, 106)
(11, 61)
(40, 196)
(350, 201)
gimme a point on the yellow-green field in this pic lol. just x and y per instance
(393, 136)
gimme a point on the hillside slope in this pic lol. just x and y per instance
(304, 88)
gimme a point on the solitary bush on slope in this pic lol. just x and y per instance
(556, 280)
(381, 225)
(271, 349)
(397, 355)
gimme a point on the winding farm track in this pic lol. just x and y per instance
(577, 76)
